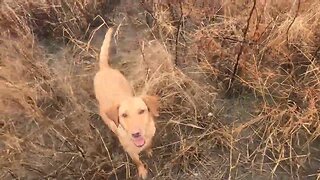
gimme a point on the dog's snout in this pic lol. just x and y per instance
(136, 135)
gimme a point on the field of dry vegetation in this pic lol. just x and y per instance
(239, 83)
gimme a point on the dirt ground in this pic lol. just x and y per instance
(266, 127)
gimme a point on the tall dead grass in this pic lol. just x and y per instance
(267, 122)
(277, 47)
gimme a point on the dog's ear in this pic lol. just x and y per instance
(153, 104)
(113, 114)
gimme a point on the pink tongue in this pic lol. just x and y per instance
(139, 141)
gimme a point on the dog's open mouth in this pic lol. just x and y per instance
(139, 141)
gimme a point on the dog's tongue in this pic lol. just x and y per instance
(139, 142)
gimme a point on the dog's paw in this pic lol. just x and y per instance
(149, 152)
(143, 172)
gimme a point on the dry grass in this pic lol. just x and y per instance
(258, 118)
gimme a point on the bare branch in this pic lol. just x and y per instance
(178, 33)
(294, 19)
(236, 65)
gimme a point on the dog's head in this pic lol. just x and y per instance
(134, 115)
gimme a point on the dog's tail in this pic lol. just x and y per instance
(104, 52)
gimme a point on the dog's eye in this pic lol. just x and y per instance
(141, 111)
(124, 115)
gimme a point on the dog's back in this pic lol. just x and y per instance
(109, 84)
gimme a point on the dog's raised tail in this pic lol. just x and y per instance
(104, 52)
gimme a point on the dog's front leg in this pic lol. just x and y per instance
(148, 150)
(142, 171)
(108, 122)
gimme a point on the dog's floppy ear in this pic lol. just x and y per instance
(153, 104)
(113, 114)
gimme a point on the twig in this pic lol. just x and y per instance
(294, 19)
(144, 59)
(178, 33)
(235, 68)
(150, 12)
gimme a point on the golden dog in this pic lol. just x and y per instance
(130, 117)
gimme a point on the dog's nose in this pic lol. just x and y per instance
(136, 135)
